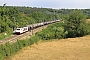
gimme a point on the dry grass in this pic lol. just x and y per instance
(65, 49)
(88, 20)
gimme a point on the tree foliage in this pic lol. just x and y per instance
(75, 24)
(11, 17)
(55, 31)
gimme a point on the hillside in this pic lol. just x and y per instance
(65, 49)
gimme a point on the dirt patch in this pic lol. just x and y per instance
(65, 49)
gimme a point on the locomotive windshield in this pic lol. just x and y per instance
(18, 29)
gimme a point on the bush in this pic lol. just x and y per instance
(54, 31)
(76, 24)
(9, 49)
(33, 39)
(22, 43)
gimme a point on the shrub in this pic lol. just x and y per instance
(33, 39)
(9, 49)
(54, 31)
(75, 24)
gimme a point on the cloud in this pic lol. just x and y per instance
(48, 3)
(14, 2)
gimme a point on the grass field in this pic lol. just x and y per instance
(65, 49)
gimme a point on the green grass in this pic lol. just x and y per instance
(3, 36)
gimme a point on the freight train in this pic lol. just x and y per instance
(22, 30)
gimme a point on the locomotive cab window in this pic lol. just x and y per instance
(18, 29)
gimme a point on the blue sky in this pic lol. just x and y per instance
(48, 3)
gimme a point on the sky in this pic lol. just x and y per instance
(56, 4)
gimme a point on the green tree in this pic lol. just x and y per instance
(75, 24)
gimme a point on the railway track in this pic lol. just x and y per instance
(14, 38)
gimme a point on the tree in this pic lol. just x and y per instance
(75, 24)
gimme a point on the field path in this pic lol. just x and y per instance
(65, 49)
